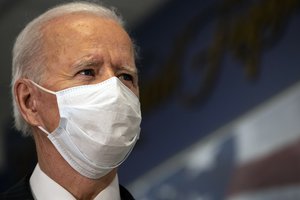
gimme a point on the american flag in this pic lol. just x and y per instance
(256, 157)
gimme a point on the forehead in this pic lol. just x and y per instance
(73, 37)
(76, 28)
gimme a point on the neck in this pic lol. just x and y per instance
(53, 164)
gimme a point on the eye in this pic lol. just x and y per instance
(130, 80)
(125, 77)
(87, 72)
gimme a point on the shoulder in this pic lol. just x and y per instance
(125, 194)
(19, 191)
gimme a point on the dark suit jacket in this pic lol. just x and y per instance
(22, 191)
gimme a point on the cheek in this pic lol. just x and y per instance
(48, 111)
(137, 92)
(134, 89)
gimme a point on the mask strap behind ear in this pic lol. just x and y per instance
(42, 88)
(44, 130)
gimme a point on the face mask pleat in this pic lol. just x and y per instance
(99, 126)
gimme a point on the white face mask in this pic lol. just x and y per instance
(99, 126)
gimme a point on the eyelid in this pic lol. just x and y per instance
(127, 74)
(129, 69)
(88, 69)
(133, 76)
(87, 74)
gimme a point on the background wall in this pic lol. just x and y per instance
(218, 81)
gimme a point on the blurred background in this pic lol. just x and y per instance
(220, 94)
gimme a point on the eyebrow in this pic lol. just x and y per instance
(92, 61)
(86, 62)
(130, 69)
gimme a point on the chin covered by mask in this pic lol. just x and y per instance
(99, 126)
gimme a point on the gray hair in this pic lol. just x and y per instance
(28, 57)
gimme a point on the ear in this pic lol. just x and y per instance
(24, 95)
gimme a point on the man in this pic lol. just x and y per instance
(75, 89)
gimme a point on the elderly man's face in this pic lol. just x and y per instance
(83, 49)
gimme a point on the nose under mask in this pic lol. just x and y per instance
(99, 126)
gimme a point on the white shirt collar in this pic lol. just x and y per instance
(44, 188)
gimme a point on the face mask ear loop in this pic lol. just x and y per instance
(45, 90)
(44, 130)
(42, 88)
